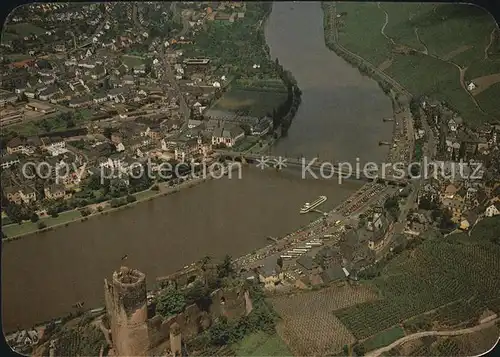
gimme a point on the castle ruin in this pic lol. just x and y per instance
(134, 333)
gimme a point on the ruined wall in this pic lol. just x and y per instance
(231, 303)
(133, 334)
(126, 305)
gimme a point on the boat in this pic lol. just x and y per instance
(310, 206)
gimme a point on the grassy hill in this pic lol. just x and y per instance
(431, 49)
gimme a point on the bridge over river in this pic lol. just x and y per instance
(327, 169)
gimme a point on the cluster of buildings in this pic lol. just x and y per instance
(26, 161)
(133, 109)
(465, 179)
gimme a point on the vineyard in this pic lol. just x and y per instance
(462, 313)
(82, 341)
(437, 273)
(309, 326)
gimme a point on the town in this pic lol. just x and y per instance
(86, 104)
(153, 83)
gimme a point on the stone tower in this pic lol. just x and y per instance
(126, 306)
(175, 340)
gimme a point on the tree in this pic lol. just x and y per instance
(206, 259)
(41, 225)
(392, 206)
(279, 262)
(70, 123)
(220, 334)
(107, 132)
(446, 220)
(359, 350)
(415, 170)
(225, 269)
(94, 183)
(46, 125)
(131, 198)
(84, 212)
(34, 218)
(118, 188)
(16, 212)
(170, 302)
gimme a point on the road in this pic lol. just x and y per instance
(315, 230)
(185, 22)
(418, 335)
(167, 66)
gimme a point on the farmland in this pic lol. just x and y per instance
(256, 102)
(383, 338)
(402, 40)
(435, 274)
(308, 324)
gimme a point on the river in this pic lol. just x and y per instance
(340, 118)
(341, 114)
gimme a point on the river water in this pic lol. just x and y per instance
(45, 274)
(340, 118)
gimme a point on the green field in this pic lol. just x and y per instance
(13, 230)
(488, 99)
(364, 37)
(246, 144)
(383, 338)
(18, 57)
(424, 75)
(399, 27)
(264, 84)
(8, 36)
(452, 26)
(253, 102)
(145, 194)
(482, 68)
(454, 33)
(26, 29)
(132, 61)
(436, 273)
(261, 344)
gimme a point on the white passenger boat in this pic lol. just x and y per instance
(310, 206)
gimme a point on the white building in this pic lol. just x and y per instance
(491, 211)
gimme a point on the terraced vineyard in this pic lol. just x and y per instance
(437, 273)
(309, 326)
(460, 313)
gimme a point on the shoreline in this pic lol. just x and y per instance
(389, 85)
(160, 193)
